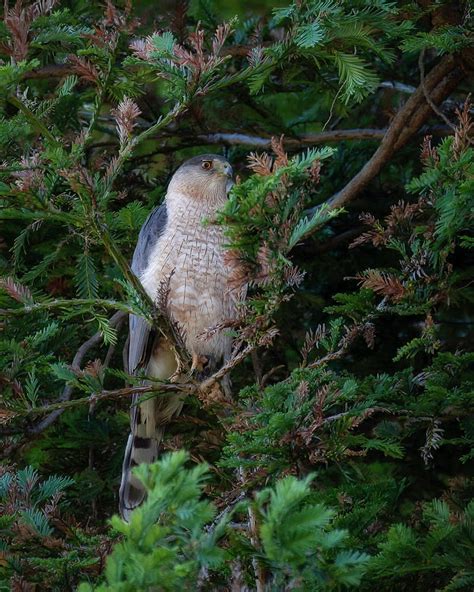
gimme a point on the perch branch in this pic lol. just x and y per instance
(94, 398)
(64, 402)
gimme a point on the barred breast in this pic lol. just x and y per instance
(188, 261)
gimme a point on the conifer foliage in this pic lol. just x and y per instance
(343, 459)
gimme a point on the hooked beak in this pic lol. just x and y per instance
(223, 168)
(228, 170)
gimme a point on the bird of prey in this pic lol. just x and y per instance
(178, 251)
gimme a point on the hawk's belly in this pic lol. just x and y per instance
(188, 272)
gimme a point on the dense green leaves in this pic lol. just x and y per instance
(169, 542)
(344, 459)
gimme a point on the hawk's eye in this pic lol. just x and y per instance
(206, 165)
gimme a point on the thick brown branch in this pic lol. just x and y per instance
(429, 100)
(439, 83)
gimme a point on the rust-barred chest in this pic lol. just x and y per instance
(187, 264)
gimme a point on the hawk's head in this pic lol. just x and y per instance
(206, 177)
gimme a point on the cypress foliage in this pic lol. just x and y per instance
(344, 459)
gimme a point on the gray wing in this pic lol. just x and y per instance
(139, 331)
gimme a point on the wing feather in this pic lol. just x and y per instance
(139, 329)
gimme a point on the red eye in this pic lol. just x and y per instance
(206, 165)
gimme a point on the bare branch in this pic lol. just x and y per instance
(429, 100)
(115, 320)
(190, 387)
(231, 139)
(398, 86)
(55, 409)
(440, 82)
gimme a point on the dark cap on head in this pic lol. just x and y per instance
(198, 160)
(209, 164)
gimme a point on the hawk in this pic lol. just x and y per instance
(176, 249)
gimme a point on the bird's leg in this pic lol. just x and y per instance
(226, 382)
(227, 386)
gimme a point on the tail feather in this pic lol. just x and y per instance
(147, 420)
(138, 450)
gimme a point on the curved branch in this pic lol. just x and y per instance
(115, 320)
(439, 83)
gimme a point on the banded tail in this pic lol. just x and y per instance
(147, 426)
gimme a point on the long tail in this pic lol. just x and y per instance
(140, 449)
(147, 426)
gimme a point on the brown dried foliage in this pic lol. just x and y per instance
(142, 48)
(31, 177)
(240, 270)
(311, 341)
(382, 283)
(79, 179)
(281, 159)
(263, 164)
(265, 266)
(462, 133)
(293, 277)
(94, 368)
(84, 69)
(191, 53)
(18, 21)
(400, 218)
(126, 116)
(15, 290)
(115, 17)
(428, 153)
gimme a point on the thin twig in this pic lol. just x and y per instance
(237, 359)
(55, 409)
(421, 66)
(67, 303)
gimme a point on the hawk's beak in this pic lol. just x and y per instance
(228, 170)
(224, 168)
